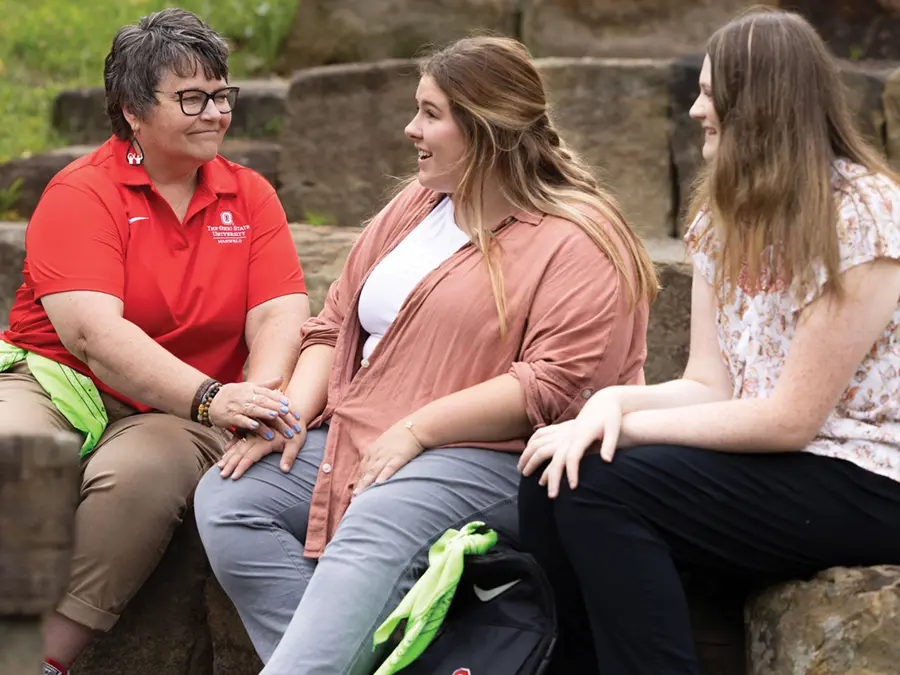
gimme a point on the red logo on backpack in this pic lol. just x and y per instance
(462, 671)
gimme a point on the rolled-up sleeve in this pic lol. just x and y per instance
(580, 335)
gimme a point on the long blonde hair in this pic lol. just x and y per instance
(498, 100)
(784, 120)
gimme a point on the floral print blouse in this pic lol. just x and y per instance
(755, 329)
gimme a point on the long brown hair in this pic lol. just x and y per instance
(784, 120)
(498, 100)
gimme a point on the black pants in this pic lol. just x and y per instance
(612, 548)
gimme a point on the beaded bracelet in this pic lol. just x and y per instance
(198, 396)
(205, 402)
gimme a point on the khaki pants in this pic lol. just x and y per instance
(135, 488)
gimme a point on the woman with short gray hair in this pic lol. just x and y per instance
(154, 270)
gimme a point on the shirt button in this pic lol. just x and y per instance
(326, 468)
(586, 393)
(364, 363)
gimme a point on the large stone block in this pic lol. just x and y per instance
(38, 494)
(669, 330)
(855, 29)
(638, 28)
(349, 31)
(686, 140)
(344, 142)
(864, 84)
(322, 251)
(12, 257)
(865, 87)
(164, 628)
(26, 177)
(842, 622)
(892, 117)
(615, 113)
(80, 114)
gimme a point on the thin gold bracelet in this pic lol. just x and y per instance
(409, 426)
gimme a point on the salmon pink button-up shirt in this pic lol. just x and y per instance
(571, 331)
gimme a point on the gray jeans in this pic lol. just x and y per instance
(308, 617)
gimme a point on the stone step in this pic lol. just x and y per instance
(80, 114)
(36, 171)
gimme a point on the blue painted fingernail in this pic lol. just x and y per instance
(297, 416)
(298, 428)
(270, 435)
(285, 410)
(254, 424)
(288, 433)
(284, 401)
(272, 413)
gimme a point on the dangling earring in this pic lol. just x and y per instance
(135, 153)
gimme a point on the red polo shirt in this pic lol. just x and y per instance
(102, 226)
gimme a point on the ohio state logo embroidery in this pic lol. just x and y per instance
(227, 218)
(462, 671)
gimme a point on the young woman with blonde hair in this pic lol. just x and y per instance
(778, 452)
(492, 296)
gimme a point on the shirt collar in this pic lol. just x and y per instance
(520, 215)
(214, 174)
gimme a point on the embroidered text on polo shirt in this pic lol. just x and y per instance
(227, 232)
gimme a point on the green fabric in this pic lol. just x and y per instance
(74, 395)
(427, 603)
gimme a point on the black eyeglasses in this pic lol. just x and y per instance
(194, 101)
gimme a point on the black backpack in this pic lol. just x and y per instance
(502, 620)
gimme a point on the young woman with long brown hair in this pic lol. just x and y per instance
(778, 452)
(492, 296)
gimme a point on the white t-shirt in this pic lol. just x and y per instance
(429, 244)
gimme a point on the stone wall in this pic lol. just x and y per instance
(627, 117)
(349, 31)
(346, 31)
(613, 28)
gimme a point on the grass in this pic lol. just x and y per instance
(50, 45)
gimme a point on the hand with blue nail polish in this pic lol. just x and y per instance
(259, 407)
(242, 452)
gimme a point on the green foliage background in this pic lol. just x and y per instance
(50, 45)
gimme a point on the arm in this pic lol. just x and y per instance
(276, 292)
(272, 332)
(308, 391)
(91, 326)
(833, 333)
(579, 333)
(490, 411)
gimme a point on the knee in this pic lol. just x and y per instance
(607, 492)
(142, 484)
(218, 502)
